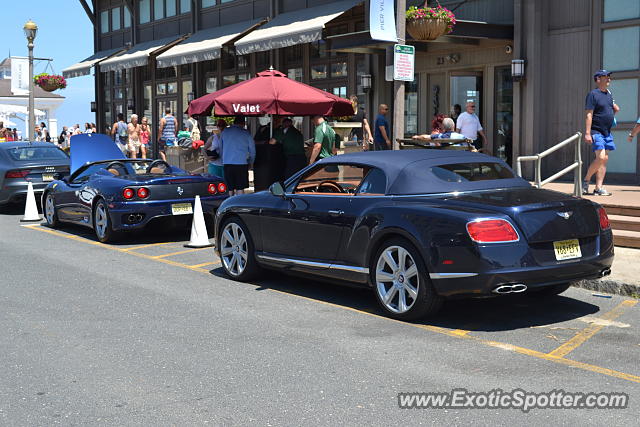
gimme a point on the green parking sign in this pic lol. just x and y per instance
(404, 62)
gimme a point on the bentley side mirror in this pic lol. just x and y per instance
(277, 190)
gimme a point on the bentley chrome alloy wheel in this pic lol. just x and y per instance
(234, 249)
(397, 279)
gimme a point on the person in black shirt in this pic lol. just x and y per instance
(363, 133)
(601, 109)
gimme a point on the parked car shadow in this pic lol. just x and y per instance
(505, 313)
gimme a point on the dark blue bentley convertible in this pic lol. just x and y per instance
(417, 226)
(112, 194)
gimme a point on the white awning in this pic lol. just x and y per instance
(204, 45)
(137, 56)
(289, 29)
(83, 68)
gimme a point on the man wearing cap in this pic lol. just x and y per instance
(601, 109)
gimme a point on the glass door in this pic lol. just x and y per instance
(503, 118)
(465, 87)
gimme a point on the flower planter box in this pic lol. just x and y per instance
(427, 29)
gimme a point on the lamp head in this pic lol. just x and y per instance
(30, 30)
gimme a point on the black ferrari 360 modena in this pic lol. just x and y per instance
(417, 226)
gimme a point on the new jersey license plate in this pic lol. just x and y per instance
(567, 249)
(47, 177)
(181, 209)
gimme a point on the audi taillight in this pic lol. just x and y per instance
(128, 193)
(604, 219)
(212, 189)
(17, 173)
(492, 231)
(222, 187)
(143, 192)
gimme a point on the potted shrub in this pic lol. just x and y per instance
(429, 23)
(50, 82)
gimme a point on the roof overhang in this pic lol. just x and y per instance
(206, 45)
(83, 68)
(292, 28)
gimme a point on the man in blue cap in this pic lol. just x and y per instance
(601, 110)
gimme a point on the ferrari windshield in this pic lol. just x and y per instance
(30, 154)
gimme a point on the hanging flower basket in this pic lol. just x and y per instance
(429, 23)
(50, 82)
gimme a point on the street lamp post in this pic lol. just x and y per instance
(30, 31)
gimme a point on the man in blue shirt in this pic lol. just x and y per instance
(601, 110)
(238, 152)
(381, 139)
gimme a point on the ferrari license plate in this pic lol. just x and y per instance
(567, 249)
(181, 209)
(47, 177)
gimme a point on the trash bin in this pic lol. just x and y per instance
(193, 161)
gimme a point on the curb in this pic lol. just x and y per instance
(610, 287)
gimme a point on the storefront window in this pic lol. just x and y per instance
(411, 107)
(339, 69)
(185, 6)
(615, 58)
(104, 21)
(318, 49)
(228, 80)
(466, 88)
(187, 88)
(185, 70)
(172, 87)
(319, 72)
(618, 10)
(171, 7)
(212, 84)
(263, 60)
(503, 118)
(118, 94)
(295, 74)
(624, 158)
(147, 103)
(144, 7)
(127, 17)
(158, 9)
(340, 91)
(118, 77)
(208, 3)
(166, 73)
(242, 77)
(115, 19)
(161, 89)
(625, 92)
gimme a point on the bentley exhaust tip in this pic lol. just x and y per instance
(514, 288)
(605, 272)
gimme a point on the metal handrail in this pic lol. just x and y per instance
(575, 166)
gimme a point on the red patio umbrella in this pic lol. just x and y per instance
(270, 93)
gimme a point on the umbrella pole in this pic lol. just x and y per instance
(271, 126)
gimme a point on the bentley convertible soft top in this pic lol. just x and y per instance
(112, 194)
(417, 226)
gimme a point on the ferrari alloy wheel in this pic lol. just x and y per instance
(401, 285)
(236, 250)
(50, 213)
(102, 223)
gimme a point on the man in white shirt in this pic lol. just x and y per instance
(469, 125)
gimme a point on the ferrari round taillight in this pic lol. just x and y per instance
(604, 219)
(222, 187)
(212, 189)
(128, 193)
(143, 192)
(492, 231)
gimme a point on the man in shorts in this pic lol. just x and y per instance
(167, 133)
(238, 155)
(133, 144)
(601, 109)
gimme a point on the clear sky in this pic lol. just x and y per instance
(65, 34)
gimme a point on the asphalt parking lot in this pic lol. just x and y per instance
(148, 331)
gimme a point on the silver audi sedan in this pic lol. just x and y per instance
(24, 162)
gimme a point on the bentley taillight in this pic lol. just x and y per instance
(604, 219)
(128, 193)
(492, 231)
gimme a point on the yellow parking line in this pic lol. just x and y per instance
(582, 336)
(177, 253)
(458, 333)
(135, 248)
(204, 263)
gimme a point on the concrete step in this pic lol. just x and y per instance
(623, 222)
(614, 209)
(626, 238)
